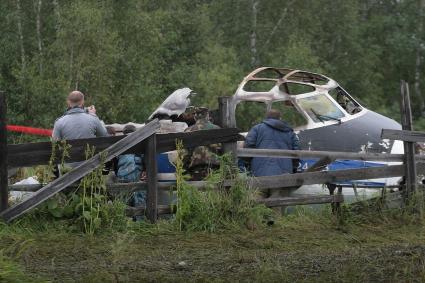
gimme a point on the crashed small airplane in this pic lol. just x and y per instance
(328, 117)
(332, 120)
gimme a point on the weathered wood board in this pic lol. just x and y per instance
(30, 154)
(322, 177)
(283, 153)
(402, 135)
(4, 193)
(270, 202)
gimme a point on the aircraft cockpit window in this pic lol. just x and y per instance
(320, 108)
(308, 78)
(259, 86)
(294, 88)
(345, 100)
(290, 114)
(269, 73)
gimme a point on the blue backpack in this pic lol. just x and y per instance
(129, 168)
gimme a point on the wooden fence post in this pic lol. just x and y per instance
(152, 175)
(227, 120)
(409, 147)
(4, 193)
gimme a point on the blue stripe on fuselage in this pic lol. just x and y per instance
(345, 164)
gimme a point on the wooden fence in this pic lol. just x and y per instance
(147, 141)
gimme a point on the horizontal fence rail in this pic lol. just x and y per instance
(114, 188)
(30, 154)
(403, 135)
(270, 202)
(284, 153)
(269, 182)
(323, 177)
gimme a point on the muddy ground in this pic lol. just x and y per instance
(296, 249)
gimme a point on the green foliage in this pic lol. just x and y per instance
(218, 206)
(128, 56)
(297, 53)
(88, 208)
(45, 173)
(216, 74)
(93, 197)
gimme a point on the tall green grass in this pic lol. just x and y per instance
(88, 208)
(218, 207)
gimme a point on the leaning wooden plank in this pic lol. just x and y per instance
(301, 200)
(410, 136)
(322, 177)
(320, 164)
(30, 154)
(80, 171)
(283, 153)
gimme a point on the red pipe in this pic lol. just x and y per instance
(29, 130)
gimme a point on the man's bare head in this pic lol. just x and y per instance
(273, 114)
(75, 98)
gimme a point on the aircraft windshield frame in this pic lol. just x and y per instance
(320, 108)
(296, 86)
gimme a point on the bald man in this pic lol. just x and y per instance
(77, 123)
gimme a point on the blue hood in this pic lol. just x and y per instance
(278, 125)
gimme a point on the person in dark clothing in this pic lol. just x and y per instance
(272, 133)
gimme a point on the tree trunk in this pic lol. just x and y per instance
(283, 16)
(254, 55)
(56, 9)
(21, 36)
(37, 8)
(71, 64)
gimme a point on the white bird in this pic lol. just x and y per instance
(175, 104)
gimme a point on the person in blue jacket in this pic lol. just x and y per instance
(272, 133)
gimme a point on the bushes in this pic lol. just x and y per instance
(217, 207)
(86, 209)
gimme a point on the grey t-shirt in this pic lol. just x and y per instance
(77, 124)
